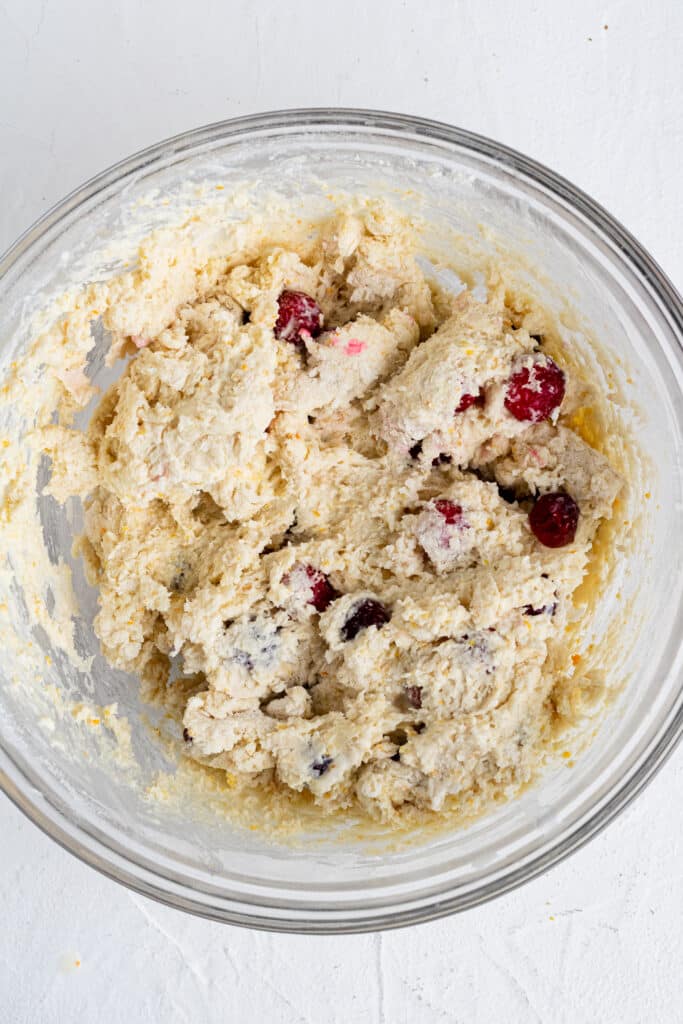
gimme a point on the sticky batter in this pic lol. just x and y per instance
(327, 495)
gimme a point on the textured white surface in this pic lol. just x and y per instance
(595, 91)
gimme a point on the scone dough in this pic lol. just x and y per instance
(230, 473)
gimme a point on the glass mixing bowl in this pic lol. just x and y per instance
(206, 866)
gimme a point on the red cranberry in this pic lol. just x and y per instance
(469, 400)
(299, 316)
(553, 519)
(451, 512)
(322, 591)
(367, 613)
(534, 392)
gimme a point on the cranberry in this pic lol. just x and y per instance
(553, 519)
(299, 316)
(451, 512)
(187, 735)
(322, 591)
(416, 450)
(414, 696)
(534, 392)
(367, 613)
(469, 400)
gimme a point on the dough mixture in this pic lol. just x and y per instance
(347, 508)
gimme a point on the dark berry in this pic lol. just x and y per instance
(367, 613)
(320, 766)
(416, 450)
(553, 519)
(187, 736)
(243, 658)
(299, 316)
(322, 591)
(414, 696)
(533, 393)
(246, 317)
(451, 512)
(546, 609)
(442, 460)
(467, 401)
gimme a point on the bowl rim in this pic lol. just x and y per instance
(127, 869)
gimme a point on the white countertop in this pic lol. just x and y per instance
(596, 92)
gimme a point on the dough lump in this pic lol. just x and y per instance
(252, 503)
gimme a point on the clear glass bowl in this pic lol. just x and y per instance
(204, 865)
